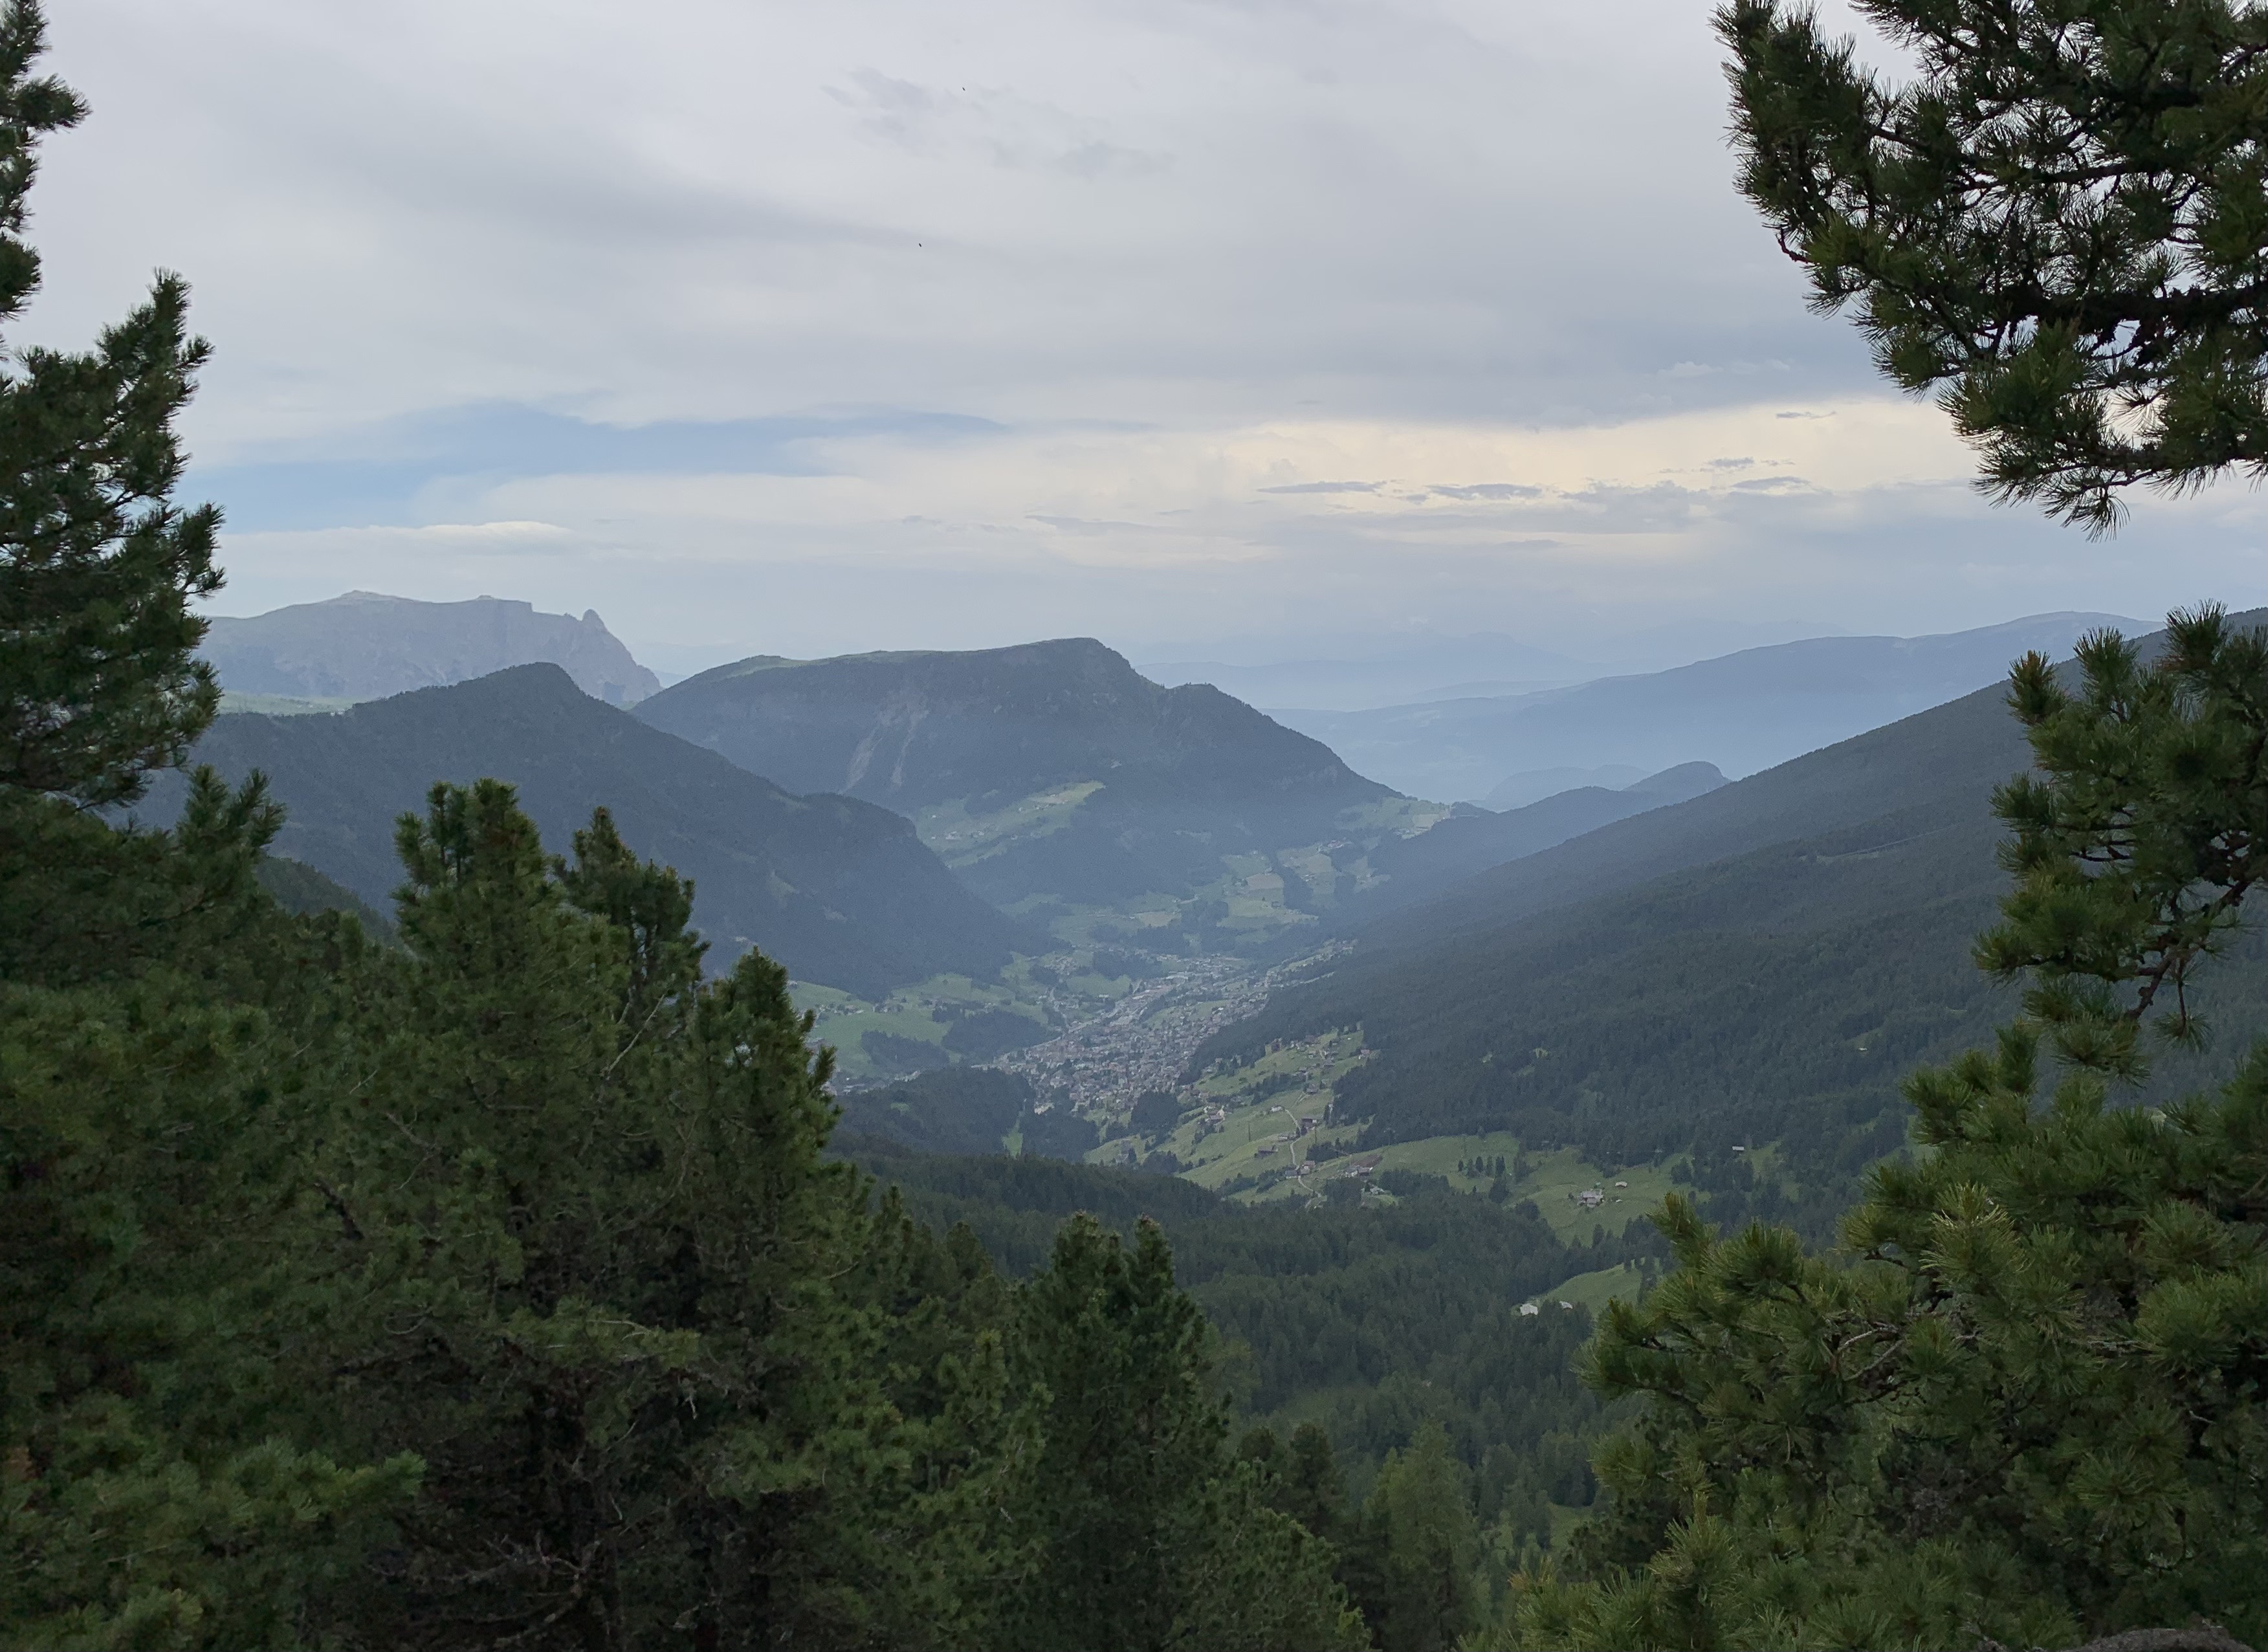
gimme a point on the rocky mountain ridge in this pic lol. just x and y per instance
(364, 645)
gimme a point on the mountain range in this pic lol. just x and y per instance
(1398, 665)
(1054, 777)
(365, 646)
(1065, 790)
(1533, 786)
(840, 891)
(1742, 712)
(1405, 871)
(1759, 964)
(1392, 669)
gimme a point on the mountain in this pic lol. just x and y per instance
(1053, 777)
(1756, 965)
(1406, 870)
(838, 890)
(1533, 786)
(1394, 669)
(1742, 712)
(297, 887)
(365, 646)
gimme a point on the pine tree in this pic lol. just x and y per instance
(98, 565)
(162, 1484)
(1146, 1532)
(1131, 1435)
(1314, 1490)
(159, 1485)
(1419, 1520)
(2059, 223)
(584, 1259)
(2139, 837)
(2027, 1397)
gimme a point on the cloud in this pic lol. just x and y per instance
(706, 210)
(840, 327)
(991, 125)
(1488, 491)
(393, 470)
(515, 533)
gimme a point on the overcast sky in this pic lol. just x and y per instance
(1234, 330)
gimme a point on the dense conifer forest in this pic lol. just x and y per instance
(496, 1269)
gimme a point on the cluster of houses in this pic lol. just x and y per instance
(1302, 1123)
(1143, 1042)
(1592, 1198)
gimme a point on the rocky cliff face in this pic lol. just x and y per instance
(365, 646)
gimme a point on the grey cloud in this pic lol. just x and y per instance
(709, 224)
(1010, 130)
(704, 213)
(1091, 528)
(1488, 491)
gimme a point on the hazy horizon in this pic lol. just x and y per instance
(818, 330)
(1378, 668)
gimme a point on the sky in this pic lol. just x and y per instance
(1255, 330)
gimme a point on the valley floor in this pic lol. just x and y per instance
(1144, 1041)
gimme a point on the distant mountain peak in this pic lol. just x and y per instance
(365, 645)
(1053, 777)
(1744, 710)
(917, 727)
(1687, 780)
(840, 891)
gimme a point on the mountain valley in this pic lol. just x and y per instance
(1742, 712)
(1404, 1079)
(839, 890)
(1287, 977)
(1063, 787)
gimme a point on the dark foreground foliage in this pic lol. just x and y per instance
(493, 1289)
(492, 1284)
(2028, 1397)
(489, 1285)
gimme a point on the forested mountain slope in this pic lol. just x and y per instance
(1760, 964)
(1947, 759)
(364, 647)
(838, 890)
(910, 730)
(1051, 774)
(1410, 870)
(1364, 1319)
(1742, 712)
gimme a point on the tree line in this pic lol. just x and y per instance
(487, 1284)
(2025, 1395)
(490, 1282)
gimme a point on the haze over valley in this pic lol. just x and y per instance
(964, 855)
(1387, 827)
